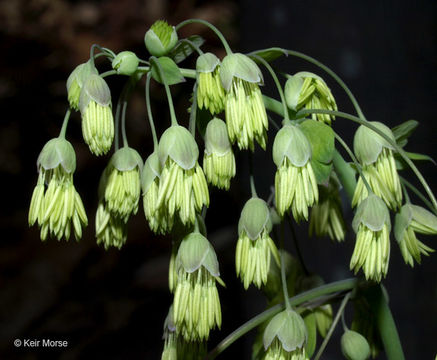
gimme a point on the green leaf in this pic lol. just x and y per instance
(310, 322)
(268, 54)
(423, 157)
(321, 138)
(172, 73)
(404, 130)
(182, 50)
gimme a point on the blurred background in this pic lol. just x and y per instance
(112, 304)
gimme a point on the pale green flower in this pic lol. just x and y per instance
(306, 90)
(96, 110)
(210, 92)
(285, 337)
(55, 204)
(372, 247)
(378, 166)
(354, 346)
(196, 305)
(295, 182)
(219, 159)
(76, 81)
(254, 246)
(160, 38)
(327, 216)
(183, 189)
(111, 229)
(410, 220)
(246, 116)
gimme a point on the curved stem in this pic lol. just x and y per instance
(149, 113)
(354, 159)
(277, 83)
(251, 177)
(123, 123)
(334, 287)
(385, 137)
(418, 194)
(193, 46)
(283, 276)
(333, 326)
(193, 113)
(154, 60)
(107, 73)
(117, 122)
(209, 25)
(104, 51)
(65, 124)
(345, 174)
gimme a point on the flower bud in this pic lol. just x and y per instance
(160, 38)
(354, 346)
(76, 81)
(55, 152)
(125, 63)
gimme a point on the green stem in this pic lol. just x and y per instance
(65, 124)
(345, 174)
(154, 60)
(149, 113)
(385, 323)
(283, 276)
(418, 194)
(277, 83)
(386, 138)
(189, 73)
(108, 73)
(123, 123)
(251, 177)
(193, 113)
(104, 51)
(193, 46)
(333, 326)
(354, 159)
(209, 25)
(338, 286)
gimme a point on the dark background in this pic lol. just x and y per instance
(112, 304)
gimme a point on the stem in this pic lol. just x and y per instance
(65, 124)
(296, 243)
(418, 194)
(273, 122)
(104, 51)
(189, 73)
(407, 197)
(345, 174)
(107, 73)
(209, 25)
(149, 113)
(251, 178)
(155, 61)
(193, 113)
(117, 121)
(123, 123)
(333, 326)
(354, 159)
(333, 287)
(283, 276)
(193, 46)
(277, 83)
(385, 137)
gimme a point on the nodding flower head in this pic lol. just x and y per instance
(160, 38)
(76, 81)
(246, 116)
(55, 204)
(97, 120)
(295, 182)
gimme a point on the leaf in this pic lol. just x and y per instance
(172, 73)
(310, 322)
(182, 50)
(321, 138)
(422, 157)
(268, 54)
(404, 130)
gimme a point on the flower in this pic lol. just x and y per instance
(218, 160)
(182, 187)
(305, 90)
(372, 247)
(111, 229)
(327, 216)
(210, 92)
(125, 63)
(76, 81)
(354, 346)
(96, 111)
(379, 168)
(254, 246)
(285, 337)
(410, 220)
(55, 203)
(160, 38)
(196, 304)
(295, 182)
(246, 116)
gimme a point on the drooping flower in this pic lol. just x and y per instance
(55, 204)
(246, 116)
(183, 190)
(111, 229)
(327, 216)
(96, 110)
(160, 38)
(305, 90)
(372, 247)
(125, 63)
(254, 246)
(218, 160)
(285, 337)
(410, 220)
(196, 305)
(378, 166)
(295, 182)
(354, 346)
(210, 92)
(76, 81)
